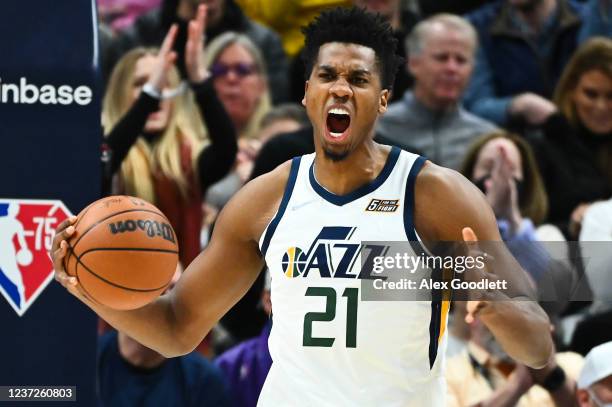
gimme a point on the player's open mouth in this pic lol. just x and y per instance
(338, 122)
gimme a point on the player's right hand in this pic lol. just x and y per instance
(59, 249)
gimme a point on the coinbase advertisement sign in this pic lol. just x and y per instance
(49, 169)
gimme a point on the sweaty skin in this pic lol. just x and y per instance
(347, 76)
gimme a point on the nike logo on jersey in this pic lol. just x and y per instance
(303, 204)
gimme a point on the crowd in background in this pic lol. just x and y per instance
(514, 94)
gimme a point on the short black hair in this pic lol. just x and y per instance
(355, 26)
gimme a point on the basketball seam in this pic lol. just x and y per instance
(135, 249)
(117, 285)
(79, 219)
(110, 216)
(86, 292)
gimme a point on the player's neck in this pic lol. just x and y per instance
(358, 168)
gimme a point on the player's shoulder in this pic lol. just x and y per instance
(445, 200)
(434, 182)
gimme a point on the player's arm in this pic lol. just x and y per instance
(175, 323)
(446, 204)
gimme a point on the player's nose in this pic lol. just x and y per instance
(340, 89)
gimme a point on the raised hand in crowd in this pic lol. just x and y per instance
(164, 61)
(501, 190)
(194, 53)
(194, 48)
(534, 109)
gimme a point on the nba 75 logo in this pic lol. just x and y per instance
(26, 233)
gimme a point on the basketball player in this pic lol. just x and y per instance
(328, 347)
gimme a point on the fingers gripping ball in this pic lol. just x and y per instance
(123, 252)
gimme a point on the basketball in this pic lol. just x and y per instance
(123, 252)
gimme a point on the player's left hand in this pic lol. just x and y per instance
(194, 47)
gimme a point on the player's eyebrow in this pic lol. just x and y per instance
(361, 71)
(354, 72)
(327, 68)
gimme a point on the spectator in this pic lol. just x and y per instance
(503, 167)
(483, 375)
(285, 118)
(155, 136)
(595, 380)
(524, 45)
(400, 20)
(239, 76)
(288, 17)
(240, 80)
(575, 154)
(428, 8)
(223, 16)
(246, 365)
(130, 374)
(120, 14)
(597, 20)
(595, 326)
(430, 117)
(597, 229)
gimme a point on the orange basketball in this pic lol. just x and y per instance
(123, 252)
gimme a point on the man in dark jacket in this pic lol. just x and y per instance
(223, 15)
(524, 46)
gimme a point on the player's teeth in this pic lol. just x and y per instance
(338, 111)
(335, 134)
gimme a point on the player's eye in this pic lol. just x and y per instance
(359, 80)
(326, 76)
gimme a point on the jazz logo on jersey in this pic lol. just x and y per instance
(383, 205)
(26, 232)
(331, 255)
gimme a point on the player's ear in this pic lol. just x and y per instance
(304, 98)
(384, 101)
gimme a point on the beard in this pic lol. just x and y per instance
(334, 156)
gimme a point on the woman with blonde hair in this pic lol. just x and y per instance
(575, 154)
(156, 141)
(239, 76)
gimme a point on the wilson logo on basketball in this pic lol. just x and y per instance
(151, 227)
(383, 205)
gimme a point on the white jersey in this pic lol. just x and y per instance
(328, 347)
